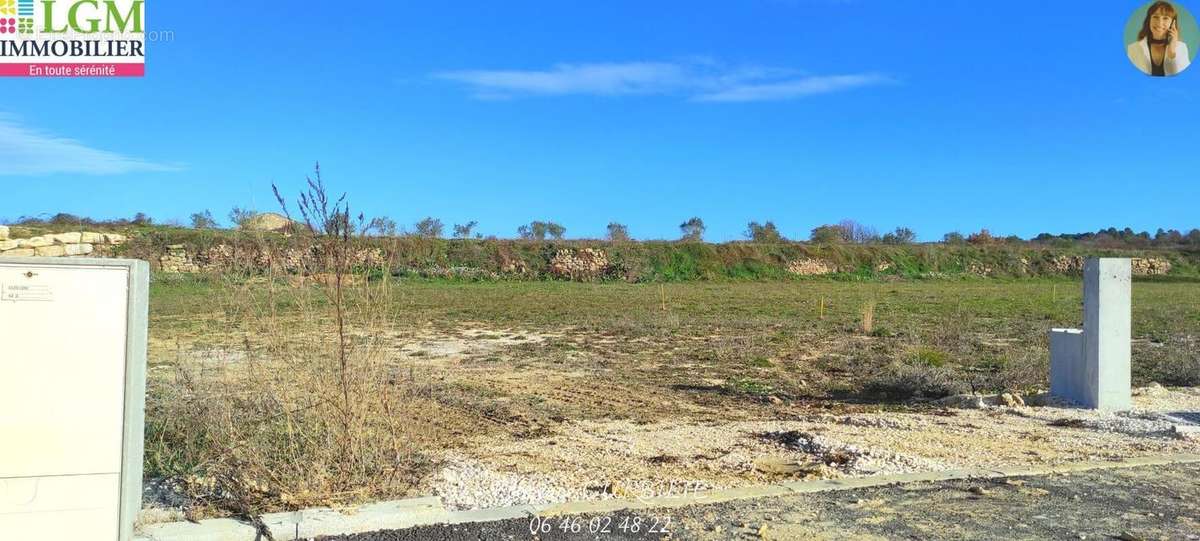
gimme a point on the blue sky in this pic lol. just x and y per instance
(940, 116)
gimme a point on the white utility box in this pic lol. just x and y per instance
(72, 397)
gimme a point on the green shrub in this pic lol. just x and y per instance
(750, 387)
(760, 362)
(926, 356)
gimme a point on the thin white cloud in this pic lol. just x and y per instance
(796, 88)
(24, 151)
(562, 79)
(700, 79)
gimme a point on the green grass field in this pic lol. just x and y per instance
(978, 325)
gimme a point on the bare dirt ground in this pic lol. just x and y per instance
(545, 433)
(619, 435)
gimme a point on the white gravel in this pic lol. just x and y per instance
(469, 484)
(598, 460)
(618, 458)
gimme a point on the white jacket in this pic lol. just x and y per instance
(1139, 54)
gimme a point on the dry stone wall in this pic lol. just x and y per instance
(581, 265)
(176, 260)
(1142, 266)
(75, 244)
(811, 267)
(224, 257)
(1151, 267)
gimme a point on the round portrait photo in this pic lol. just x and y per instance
(1161, 38)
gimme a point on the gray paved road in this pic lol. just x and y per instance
(1158, 502)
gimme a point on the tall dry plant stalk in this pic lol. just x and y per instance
(868, 317)
(316, 411)
(329, 232)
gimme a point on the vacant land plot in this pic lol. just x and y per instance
(544, 391)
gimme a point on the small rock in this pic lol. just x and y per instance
(266, 221)
(963, 401)
(1152, 389)
(1185, 432)
(1011, 400)
(780, 466)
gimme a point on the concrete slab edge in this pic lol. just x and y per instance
(430, 510)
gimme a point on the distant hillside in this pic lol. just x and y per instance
(652, 261)
(174, 249)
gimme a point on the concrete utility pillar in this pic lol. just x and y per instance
(1107, 329)
(1091, 367)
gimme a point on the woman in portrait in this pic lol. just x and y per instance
(1159, 50)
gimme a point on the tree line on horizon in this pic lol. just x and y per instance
(690, 230)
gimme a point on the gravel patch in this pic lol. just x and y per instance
(162, 501)
(590, 460)
(470, 484)
(599, 460)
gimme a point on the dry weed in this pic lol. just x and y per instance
(868, 317)
(316, 413)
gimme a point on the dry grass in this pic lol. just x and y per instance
(296, 420)
(868, 317)
(900, 380)
(314, 412)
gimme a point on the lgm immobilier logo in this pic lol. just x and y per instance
(72, 38)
